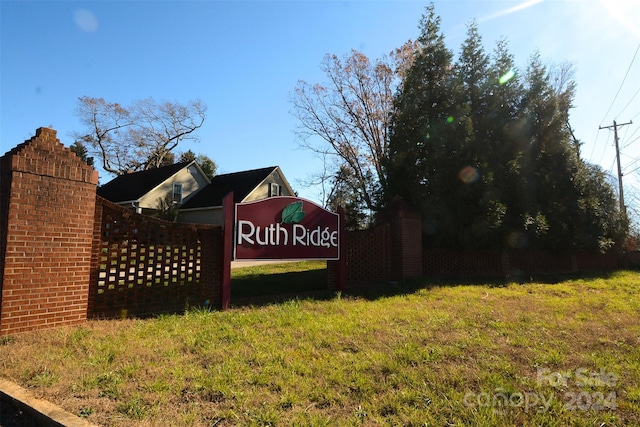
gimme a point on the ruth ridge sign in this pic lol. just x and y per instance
(286, 228)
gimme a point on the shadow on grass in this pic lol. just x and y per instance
(260, 285)
(265, 289)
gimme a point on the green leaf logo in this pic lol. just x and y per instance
(293, 213)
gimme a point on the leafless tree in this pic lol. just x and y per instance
(138, 137)
(350, 113)
(562, 77)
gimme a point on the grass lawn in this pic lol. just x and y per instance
(433, 354)
(271, 279)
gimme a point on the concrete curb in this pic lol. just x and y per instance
(46, 414)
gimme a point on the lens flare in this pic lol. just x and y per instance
(506, 77)
(450, 119)
(469, 175)
(517, 240)
(86, 20)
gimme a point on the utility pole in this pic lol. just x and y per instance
(615, 127)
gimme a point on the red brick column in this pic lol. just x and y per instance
(406, 240)
(47, 206)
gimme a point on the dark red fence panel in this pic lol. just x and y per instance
(143, 266)
(599, 262)
(537, 262)
(447, 262)
(368, 255)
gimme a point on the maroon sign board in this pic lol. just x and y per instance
(285, 228)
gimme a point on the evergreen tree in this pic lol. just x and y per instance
(473, 203)
(187, 156)
(487, 153)
(207, 165)
(422, 131)
(547, 194)
(503, 154)
(599, 225)
(81, 151)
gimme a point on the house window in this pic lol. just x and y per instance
(177, 193)
(274, 189)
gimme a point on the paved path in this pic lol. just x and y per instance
(18, 408)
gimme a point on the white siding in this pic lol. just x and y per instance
(190, 179)
(262, 191)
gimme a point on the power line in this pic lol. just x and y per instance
(626, 132)
(631, 136)
(633, 161)
(629, 103)
(610, 168)
(630, 172)
(632, 141)
(621, 84)
(595, 143)
(604, 149)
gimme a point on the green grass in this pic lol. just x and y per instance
(272, 279)
(422, 353)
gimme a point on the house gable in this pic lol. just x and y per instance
(146, 187)
(256, 184)
(191, 180)
(246, 185)
(266, 189)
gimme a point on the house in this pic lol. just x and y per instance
(144, 189)
(206, 206)
(199, 199)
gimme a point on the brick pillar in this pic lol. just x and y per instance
(406, 239)
(47, 206)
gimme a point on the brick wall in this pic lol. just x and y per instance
(406, 239)
(445, 262)
(601, 262)
(46, 220)
(513, 264)
(391, 250)
(368, 255)
(142, 266)
(67, 254)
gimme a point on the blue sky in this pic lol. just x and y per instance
(243, 59)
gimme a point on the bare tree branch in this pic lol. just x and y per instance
(350, 115)
(139, 137)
